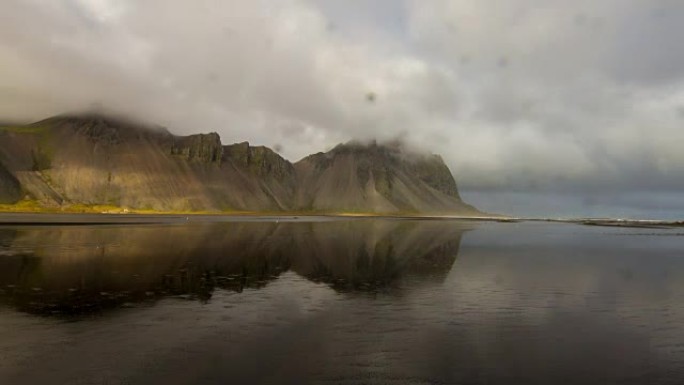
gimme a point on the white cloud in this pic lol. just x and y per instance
(514, 94)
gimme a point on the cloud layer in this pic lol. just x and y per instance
(516, 95)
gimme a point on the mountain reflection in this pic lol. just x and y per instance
(80, 270)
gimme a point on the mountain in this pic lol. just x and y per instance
(102, 160)
(108, 161)
(357, 177)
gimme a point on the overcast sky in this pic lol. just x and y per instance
(582, 96)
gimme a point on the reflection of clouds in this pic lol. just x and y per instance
(616, 281)
(522, 303)
(151, 340)
(551, 304)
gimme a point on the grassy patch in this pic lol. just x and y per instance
(23, 206)
(33, 206)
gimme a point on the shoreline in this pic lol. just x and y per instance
(94, 218)
(70, 218)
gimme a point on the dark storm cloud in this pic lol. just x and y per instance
(519, 95)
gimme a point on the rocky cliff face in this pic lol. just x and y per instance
(276, 176)
(260, 161)
(203, 148)
(377, 178)
(108, 161)
(10, 189)
(95, 159)
(432, 170)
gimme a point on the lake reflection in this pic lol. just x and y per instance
(73, 270)
(341, 301)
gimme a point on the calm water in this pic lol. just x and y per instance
(341, 302)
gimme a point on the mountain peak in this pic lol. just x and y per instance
(103, 126)
(378, 177)
(370, 146)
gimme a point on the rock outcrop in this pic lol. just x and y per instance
(259, 160)
(356, 177)
(276, 176)
(204, 148)
(10, 189)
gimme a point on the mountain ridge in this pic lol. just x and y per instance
(95, 159)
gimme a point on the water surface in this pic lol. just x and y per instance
(340, 302)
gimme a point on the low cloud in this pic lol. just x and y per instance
(517, 95)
